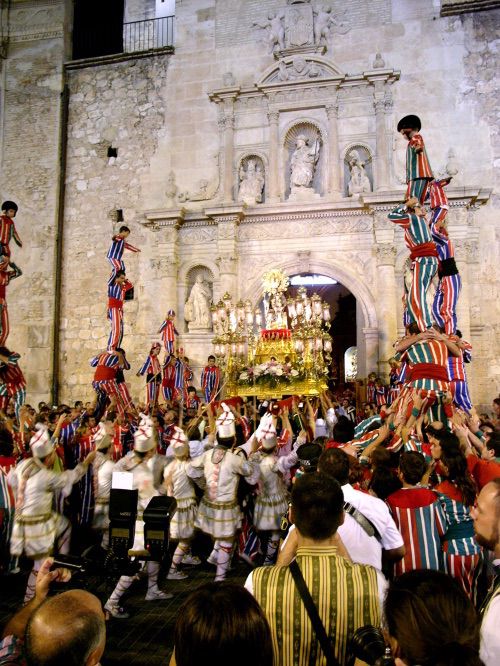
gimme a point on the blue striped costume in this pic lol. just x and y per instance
(462, 552)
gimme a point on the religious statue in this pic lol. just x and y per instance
(251, 183)
(275, 30)
(197, 307)
(359, 182)
(303, 162)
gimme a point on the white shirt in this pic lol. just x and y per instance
(490, 636)
(362, 548)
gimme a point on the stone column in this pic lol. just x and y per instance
(462, 257)
(273, 176)
(386, 304)
(165, 263)
(379, 103)
(228, 219)
(371, 349)
(226, 123)
(335, 177)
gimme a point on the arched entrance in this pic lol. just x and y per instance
(343, 327)
(366, 324)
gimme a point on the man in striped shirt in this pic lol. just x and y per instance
(418, 169)
(210, 379)
(419, 517)
(423, 255)
(116, 295)
(115, 252)
(345, 594)
(152, 369)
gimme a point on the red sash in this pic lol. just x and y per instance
(424, 250)
(115, 303)
(102, 372)
(428, 371)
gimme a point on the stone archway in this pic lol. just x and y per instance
(367, 321)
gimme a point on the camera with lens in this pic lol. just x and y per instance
(368, 645)
(122, 518)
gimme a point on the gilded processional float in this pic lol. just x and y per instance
(282, 347)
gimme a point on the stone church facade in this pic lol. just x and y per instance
(170, 140)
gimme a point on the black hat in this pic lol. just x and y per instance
(409, 122)
(9, 205)
(308, 455)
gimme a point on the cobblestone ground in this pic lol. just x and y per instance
(147, 636)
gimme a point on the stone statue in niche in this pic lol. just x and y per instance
(359, 182)
(303, 163)
(251, 183)
(275, 30)
(197, 307)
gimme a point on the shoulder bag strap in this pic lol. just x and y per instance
(312, 611)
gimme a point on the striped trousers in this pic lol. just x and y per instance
(418, 188)
(115, 316)
(424, 269)
(152, 390)
(4, 323)
(116, 265)
(444, 307)
(461, 396)
(106, 389)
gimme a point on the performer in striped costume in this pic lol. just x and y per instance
(6, 276)
(380, 393)
(450, 284)
(456, 371)
(121, 384)
(419, 517)
(106, 367)
(210, 379)
(8, 229)
(168, 381)
(370, 387)
(192, 401)
(116, 295)
(427, 357)
(394, 380)
(423, 254)
(168, 332)
(115, 252)
(418, 169)
(457, 494)
(152, 369)
(12, 382)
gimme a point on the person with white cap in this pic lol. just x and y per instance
(136, 462)
(179, 485)
(219, 513)
(103, 468)
(272, 499)
(37, 528)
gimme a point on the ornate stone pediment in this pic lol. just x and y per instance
(300, 67)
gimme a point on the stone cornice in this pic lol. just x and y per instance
(170, 218)
(367, 78)
(366, 205)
